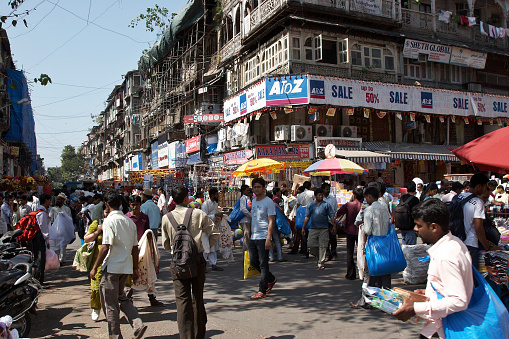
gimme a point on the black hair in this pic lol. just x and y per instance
(432, 211)
(306, 184)
(179, 193)
(363, 183)
(318, 191)
(373, 191)
(212, 191)
(478, 179)
(284, 191)
(492, 183)
(456, 185)
(198, 194)
(325, 184)
(260, 181)
(382, 187)
(411, 187)
(134, 199)
(43, 198)
(269, 194)
(443, 182)
(82, 198)
(300, 189)
(466, 184)
(500, 186)
(98, 196)
(113, 199)
(243, 188)
(358, 194)
(1, 195)
(276, 190)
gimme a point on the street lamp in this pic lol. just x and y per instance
(19, 102)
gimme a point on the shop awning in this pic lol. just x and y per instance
(363, 157)
(412, 151)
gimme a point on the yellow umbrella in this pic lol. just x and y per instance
(258, 166)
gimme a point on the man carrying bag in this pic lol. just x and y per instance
(191, 314)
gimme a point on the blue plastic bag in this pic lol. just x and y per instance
(236, 215)
(384, 254)
(282, 223)
(485, 317)
(299, 219)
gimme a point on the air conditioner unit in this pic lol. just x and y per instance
(281, 132)
(302, 133)
(474, 87)
(348, 131)
(323, 130)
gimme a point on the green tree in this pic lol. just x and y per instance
(72, 164)
(55, 173)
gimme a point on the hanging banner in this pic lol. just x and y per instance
(245, 102)
(162, 153)
(287, 90)
(155, 156)
(140, 162)
(373, 7)
(202, 118)
(435, 52)
(193, 144)
(467, 58)
(237, 157)
(283, 152)
(172, 155)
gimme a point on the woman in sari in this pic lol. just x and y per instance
(95, 233)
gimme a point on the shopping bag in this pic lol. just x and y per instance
(485, 317)
(249, 271)
(282, 223)
(51, 260)
(299, 219)
(83, 260)
(384, 254)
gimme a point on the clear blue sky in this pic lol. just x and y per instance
(83, 60)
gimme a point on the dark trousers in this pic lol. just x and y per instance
(191, 314)
(300, 240)
(474, 253)
(351, 271)
(380, 281)
(38, 247)
(332, 248)
(259, 259)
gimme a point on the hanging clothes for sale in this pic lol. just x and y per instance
(482, 28)
(444, 16)
(463, 20)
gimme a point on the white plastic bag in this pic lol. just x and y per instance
(52, 262)
(61, 231)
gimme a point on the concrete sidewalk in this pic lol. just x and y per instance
(305, 303)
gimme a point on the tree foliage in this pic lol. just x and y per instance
(72, 164)
(154, 18)
(55, 173)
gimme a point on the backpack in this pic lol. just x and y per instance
(184, 264)
(402, 216)
(456, 221)
(29, 226)
(236, 214)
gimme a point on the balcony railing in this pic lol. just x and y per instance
(230, 48)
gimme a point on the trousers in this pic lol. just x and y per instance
(114, 300)
(351, 241)
(259, 259)
(191, 314)
(318, 240)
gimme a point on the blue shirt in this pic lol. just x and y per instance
(153, 212)
(6, 210)
(319, 215)
(260, 212)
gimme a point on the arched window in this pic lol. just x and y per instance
(236, 29)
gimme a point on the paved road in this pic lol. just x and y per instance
(305, 303)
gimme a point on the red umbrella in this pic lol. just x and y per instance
(488, 152)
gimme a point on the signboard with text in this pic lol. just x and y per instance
(435, 52)
(162, 153)
(237, 157)
(338, 142)
(283, 152)
(193, 144)
(202, 118)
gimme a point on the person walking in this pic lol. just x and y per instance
(161, 202)
(24, 206)
(402, 218)
(97, 210)
(245, 208)
(7, 209)
(262, 225)
(304, 199)
(191, 313)
(350, 211)
(53, 213)
(332, 252)
(210, 207)
(320, 213)
(40, 242)
(150, 208)
(3, 224)
(142, 223)
(119, 258)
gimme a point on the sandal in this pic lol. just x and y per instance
(321, 267)
(269, 288)
(258, 295)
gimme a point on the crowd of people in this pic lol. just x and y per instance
(121, 229)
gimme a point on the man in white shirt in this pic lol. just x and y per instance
(456, 188)
(210, 208)
(473, 217)
(119, 258)
(24, 206)
(161, 202)
(53, 213)
(40, 242)
(245, 222)
(35, 202)
(449, 272)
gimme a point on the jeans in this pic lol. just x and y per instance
(259, 259)
(409, 237)
(276, 238)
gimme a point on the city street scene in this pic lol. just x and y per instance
(254, 169)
